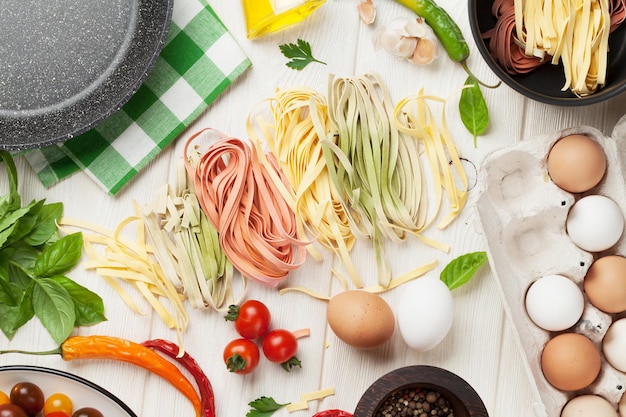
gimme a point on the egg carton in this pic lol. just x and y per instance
(522, 214)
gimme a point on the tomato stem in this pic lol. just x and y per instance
(294, 361)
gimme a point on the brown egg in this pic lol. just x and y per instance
(360, 319)
(576, 163)
(570, 361)
(605, 284)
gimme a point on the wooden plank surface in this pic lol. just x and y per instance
(480, 347)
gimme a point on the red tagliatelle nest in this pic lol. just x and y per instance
(256, 226)
(508, 51)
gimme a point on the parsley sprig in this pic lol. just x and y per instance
(299, 53)
(264, 407)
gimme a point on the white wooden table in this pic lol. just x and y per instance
(480, 347)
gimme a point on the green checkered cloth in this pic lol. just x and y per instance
(199, 61)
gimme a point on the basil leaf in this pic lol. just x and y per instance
(460, 270)
(46, 225)
(5, 259)
(60, 257)
(88, 306)
(10, 322)
(16, 314)
(8, 294)
(31, 252)
(23, 255)
(54, 307)
(19, 276)
(473, 108)
(12, 200)
(9, 224)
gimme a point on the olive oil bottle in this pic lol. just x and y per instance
(268, 16)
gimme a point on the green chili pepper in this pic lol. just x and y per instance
(446, 29)
(443, 25)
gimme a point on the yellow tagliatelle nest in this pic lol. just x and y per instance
(294, 141)
(576, 33)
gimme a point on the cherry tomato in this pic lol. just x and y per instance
(12, 410)
(28, 396)
(280, 345)
(56, 414)
(332, 413)
(4, 398)
(58, 402)
(252, 318)
(241, 356)
(87, 412)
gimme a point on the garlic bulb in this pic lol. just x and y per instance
(408, 38)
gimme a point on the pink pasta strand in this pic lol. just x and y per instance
(256, 226)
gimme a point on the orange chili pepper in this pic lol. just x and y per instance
(108, 347)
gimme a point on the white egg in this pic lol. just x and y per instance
(425, 313)
(595, 223)
(554, 302)
(614, 345)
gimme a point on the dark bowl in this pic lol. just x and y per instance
(544, 83)
(462, 397)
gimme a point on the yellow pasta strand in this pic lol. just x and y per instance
(573, 32)
(292, 137)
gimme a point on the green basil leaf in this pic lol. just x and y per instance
(23, 255)
(60, 257)
(10, 320)
(5, 259)
(11, 201)
(9, 295)
(25, 224)
(54, 307)
(88, 306)
(460, 270)
(13, 216)
(17, 314)
(473, 108)
(46, 225)
(19, 276)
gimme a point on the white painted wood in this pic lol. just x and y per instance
(480, 347)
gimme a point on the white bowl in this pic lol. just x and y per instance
(82, 392)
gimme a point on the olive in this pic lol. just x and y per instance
(11, 410)
(86, 412)
(28, 396)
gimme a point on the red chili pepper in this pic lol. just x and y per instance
(107, 347)
(204, 385)
(332, 413)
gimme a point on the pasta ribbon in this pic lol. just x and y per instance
(572, 32)
(256, 226)
(373, 165)
(132, 262)
(414, 117)
(187, 245)
(292, 136)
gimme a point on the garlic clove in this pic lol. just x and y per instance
(367, 11)
(395, 44)
(425, 52)
(408, 38)
(416, 28)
